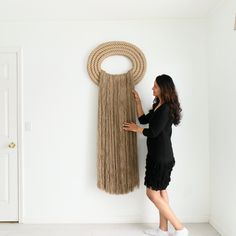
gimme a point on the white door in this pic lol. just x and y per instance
(8, 137)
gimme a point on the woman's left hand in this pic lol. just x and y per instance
(131, 127)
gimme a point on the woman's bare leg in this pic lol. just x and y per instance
(163, 221)
(164, 208)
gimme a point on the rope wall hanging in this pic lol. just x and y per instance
(117, 159)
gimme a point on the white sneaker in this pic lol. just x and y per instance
(156, 232)
(181, 232)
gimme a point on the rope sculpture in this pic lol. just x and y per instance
(117, 160)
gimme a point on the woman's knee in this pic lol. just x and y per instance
(163, 192)
(153, 195)
(164, 195)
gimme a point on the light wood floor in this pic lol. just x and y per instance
(14, 229)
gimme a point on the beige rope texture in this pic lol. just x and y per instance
(111, 48)
(117, 162)
(117, 158)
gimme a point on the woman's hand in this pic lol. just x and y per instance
(132, 127)
(136, 96)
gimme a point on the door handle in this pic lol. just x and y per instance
(11, 145)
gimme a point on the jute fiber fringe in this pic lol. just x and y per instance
(117, 164)
(117, 159)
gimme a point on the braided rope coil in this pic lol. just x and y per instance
(112, 48)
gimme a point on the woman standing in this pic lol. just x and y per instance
(160, 158)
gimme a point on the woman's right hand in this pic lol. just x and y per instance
(136, 96)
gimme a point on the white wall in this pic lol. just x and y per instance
(60, 100)
(222, 86)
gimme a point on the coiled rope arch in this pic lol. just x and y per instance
(112, 48)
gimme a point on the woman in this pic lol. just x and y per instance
(160, 158)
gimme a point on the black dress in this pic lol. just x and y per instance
(160, 158)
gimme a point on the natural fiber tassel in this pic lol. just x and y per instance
(117, 162)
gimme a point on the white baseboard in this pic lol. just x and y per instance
(110, 220)
(213, 221)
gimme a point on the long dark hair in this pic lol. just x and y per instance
(169, 95)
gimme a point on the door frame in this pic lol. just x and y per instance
(19, 111)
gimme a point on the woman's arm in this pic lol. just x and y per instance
(139, 108)
(143, 119)
(138, 103)
(158, 124)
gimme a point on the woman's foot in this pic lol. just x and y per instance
(181, 232)
(156, 232)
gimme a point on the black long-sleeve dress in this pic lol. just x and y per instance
(160, 158)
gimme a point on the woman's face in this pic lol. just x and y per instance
(156, 90)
